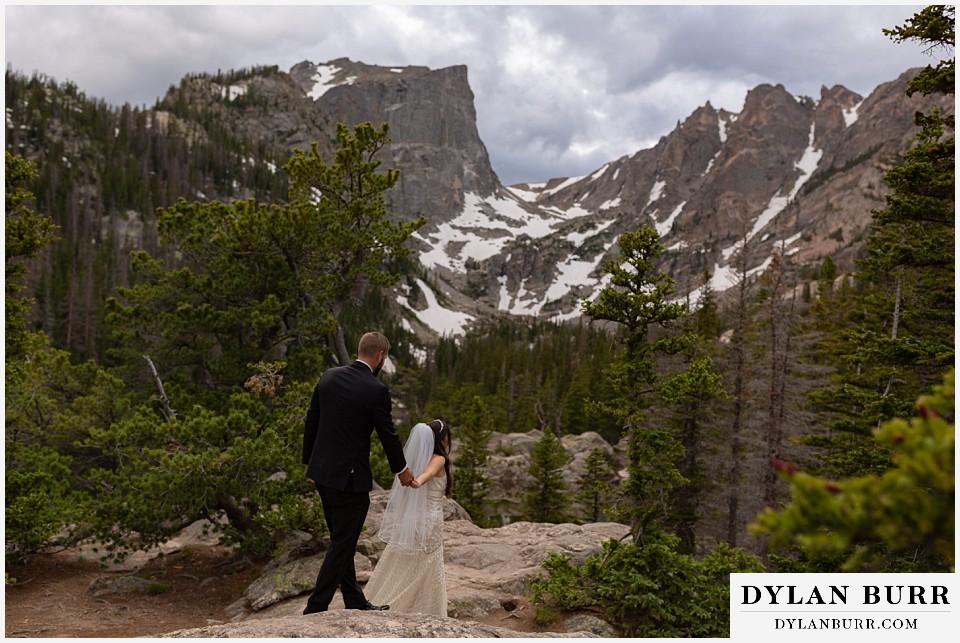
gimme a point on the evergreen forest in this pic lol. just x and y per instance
(802, 421)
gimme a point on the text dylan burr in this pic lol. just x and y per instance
(838, 594)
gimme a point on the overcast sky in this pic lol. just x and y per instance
(560, 90)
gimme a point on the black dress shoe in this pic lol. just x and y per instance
(376, 608)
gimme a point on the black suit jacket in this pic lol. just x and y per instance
(348, 403)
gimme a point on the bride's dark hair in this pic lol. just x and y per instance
(441, 432)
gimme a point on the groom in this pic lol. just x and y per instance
(348, 403)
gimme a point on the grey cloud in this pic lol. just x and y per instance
(559, 90)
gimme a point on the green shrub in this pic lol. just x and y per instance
(39, 502)
(649, 590)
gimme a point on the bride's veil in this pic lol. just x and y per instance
(404, 522)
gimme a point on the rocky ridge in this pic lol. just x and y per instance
(789, 174)
(792, 175)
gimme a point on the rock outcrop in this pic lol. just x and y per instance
(487, 570)
(499, 563)
(356, 624)
(509, 466)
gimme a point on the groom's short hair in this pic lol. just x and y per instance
(372, 343)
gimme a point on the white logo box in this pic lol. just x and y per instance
(847, 607)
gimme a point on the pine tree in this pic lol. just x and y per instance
(692, 398)
(638, 299)
(27, 234)
(546, 499)
(779, 324)
(898, 339)
(470, 482)
(39, 500)
(735, 475)
(348, 196)
(595, 486)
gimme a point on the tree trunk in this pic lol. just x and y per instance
(896, 308)
(238, 517)
(774, 427)
(169, 413)
(340, 346)
(736, 446)
(733, 482)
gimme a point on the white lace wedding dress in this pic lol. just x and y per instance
(413, 581)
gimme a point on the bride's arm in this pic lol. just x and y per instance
(434, 467)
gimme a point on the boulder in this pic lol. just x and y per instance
(510, 444)
(584, 443)
(292, 579)
(104, 585)
(592, 624)
(499, 563)
(471, 605)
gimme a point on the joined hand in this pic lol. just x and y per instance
(406, 478)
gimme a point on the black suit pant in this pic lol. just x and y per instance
(345, 513)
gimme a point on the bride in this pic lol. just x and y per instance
(409, 576)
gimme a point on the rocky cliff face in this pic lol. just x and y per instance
(432, 121)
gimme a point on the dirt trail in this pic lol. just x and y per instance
(52, 597)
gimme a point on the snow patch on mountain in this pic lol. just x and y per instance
(850, 115)
(724, 278)
(722, 127)
(788, 243)
(664, 227)
(608, 204)
(324, 80)
(529, 196)
(807, 165)
(486, 223)
(577, 238)
(233, 92)
(443, 321)
(564, 185)
(573, 273)
(656, 191)
(596, 175)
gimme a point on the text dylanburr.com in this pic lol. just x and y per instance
(851, 606)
